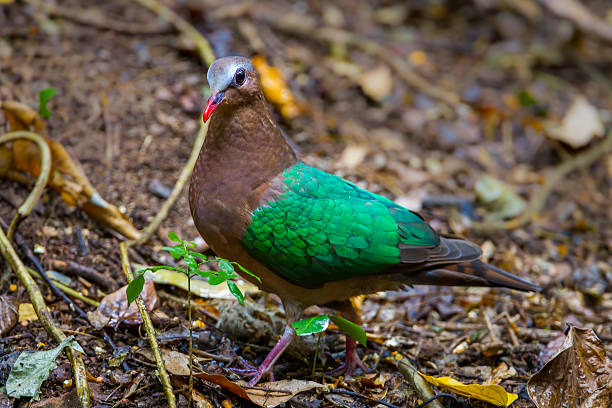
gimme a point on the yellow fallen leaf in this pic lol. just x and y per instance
(26, 313)
(275, 88)
(418, 57)
(492, 393)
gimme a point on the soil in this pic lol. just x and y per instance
(128, 105)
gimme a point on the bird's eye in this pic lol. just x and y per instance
(240, 77)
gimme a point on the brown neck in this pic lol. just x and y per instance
(244, 146)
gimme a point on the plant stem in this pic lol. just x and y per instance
(190, 339)
(161, 372)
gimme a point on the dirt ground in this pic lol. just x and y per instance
(130, 92)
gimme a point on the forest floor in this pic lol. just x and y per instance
(492, 94)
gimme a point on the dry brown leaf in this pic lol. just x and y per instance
(269, 394)
(66, 177)
(114, 309)
(579, 375)
(579, 125)
(377, 83)
(8, 314)
(176, 362)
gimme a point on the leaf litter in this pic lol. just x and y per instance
(515, 82)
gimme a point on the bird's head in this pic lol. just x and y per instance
(232, 80)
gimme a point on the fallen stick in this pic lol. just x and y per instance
(40, 307)
(45, 168)
(421, 386)
(582, 160)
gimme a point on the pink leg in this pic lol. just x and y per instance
(352, 360)
(265, 369)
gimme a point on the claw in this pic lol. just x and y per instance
(265, 369)
(352, 361)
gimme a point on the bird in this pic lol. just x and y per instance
(310, 237)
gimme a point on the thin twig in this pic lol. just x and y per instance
(75, 269)
(582, 160)
(161, 372)
(204, 48)
(421, 386)
(335, 35)
(45, 167)
(161, 215)
(43, 274)
(40, 307)
(356, 395)
(93, 17)
(67, 290)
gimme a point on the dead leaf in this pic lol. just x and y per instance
(113, 309)
(176, 362)
(492, 393)
(269, 394)
(579, 375)
(498, 198)
(275, 87)
(27, 313)
(8, 314)
(66, 176)
(579, 125)
(376, 83)
(500, 373)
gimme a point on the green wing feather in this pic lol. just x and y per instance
(321, 228)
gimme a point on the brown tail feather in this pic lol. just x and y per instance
(474, 273)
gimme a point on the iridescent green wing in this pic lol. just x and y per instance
(321, 228)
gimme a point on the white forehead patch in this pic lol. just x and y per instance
(221, 72)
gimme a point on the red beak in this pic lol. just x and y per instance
(212, 104)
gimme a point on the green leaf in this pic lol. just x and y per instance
(231, 285)
(198, 255)
(351, 329)
(312, 325)
(525, 98)
(243, 269)
(173, 237)
(216, 279)
(134, 288)
(32, 368)
(192, 264)
(177, 251)
(205, 274)
(43, 99)
(226, 267)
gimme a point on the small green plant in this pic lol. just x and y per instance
(318, 324)
(193, 261)
(43, 98)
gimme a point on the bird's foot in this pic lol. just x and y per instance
(352, 361)
(256, 373)
(265, 369)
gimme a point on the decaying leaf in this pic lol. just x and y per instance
(579, 125)
(32, 368)
(269, 394)
(498, 198)
(275, 87)
(114, 307)
(579, 375)
(492, 393)
(8, 314)
(26, 313)
(176, 362)
(376, 83)
(66, 176)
